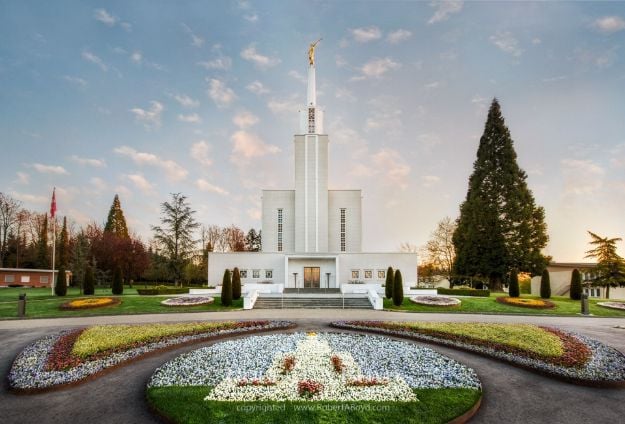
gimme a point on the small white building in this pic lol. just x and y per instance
(312, 236)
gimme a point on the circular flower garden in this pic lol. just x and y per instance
(89, 303)
(526, 303)
(188, 301)
(435, 300)
(613, 305)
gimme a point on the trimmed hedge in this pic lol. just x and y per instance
(464, 292)
(162, 290)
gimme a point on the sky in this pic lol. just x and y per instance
(149, 98)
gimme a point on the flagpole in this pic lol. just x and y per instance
(52, 215)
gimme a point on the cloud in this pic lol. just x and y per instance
(196, 41)
(257, 87)
(185, 100)
(392, 164)
(151, 118)
(192, 118)
(255, 213)
(299, 77)
(174, 171)
(141, 183)
(430, 180)
(386, 120)
(444, 9)
(601, 58)
(76, 81)
(90, 57)
(222, 63)
(432, 85)
(23, 178)
(96, 163)
(506, 42)
(376, 68)
(344, 94)
(204, 185)
(260, 61)
(609, 24)
(136, 57)
(221, 94)
(247, 146)
(50, 169)
(581, 176)
(554, 79)
(98, 183)
(200, 152)
(398, 36)
(245, 119)
(29, 198)
(105, 17)
(280, 106)
(252, 17)
(365, 35)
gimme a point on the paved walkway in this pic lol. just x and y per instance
(510, 395)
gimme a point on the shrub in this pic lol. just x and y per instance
(388, 287)
(88, 283)
(236, 284)
(398, 289)
(118, 281)
(513, 288)
(464, 292)
(61, 283)
(226, 289)
(545, 285)
(576, 285)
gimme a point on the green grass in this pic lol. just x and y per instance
(41, 304)
(187, 405)
(477, 305)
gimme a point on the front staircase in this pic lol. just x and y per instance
(311, 301)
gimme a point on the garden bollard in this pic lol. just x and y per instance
(21, 306)
(585, 310)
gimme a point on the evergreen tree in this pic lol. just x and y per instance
(43, 261)
(398, 289)
(610, 269)
(88, 285)
(545, 285)
(236, 284)
(388, 286)
(116, 223)
(118, 281)
(576, 285)
(60, 289)
(500, 226)
(64, 245)
(513, 288)
(226, 289)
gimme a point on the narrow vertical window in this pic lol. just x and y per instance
(311, 120)
(279, 230)
(342, 229)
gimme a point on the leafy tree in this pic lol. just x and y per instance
(175, 236)
(388, 286)
(118, 282)
(500, 226)
(576, 285)
(236, 284)
(9, 217)
(545, 285)
(398, 289)
(253, 241)
(64, 245)
(42, 260)
(513, 287)
(226, 289)
(610, 269)
(88, 287)
(79, 258)
(116, 222)
(60, 289)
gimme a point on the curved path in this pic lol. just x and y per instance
(511, 395)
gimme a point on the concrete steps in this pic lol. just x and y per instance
(326, 302)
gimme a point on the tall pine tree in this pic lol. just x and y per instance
(500, 226)
(64, 245)
(116, 223)
(42, 260)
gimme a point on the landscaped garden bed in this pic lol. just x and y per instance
(613, 305)
(435, 300)
(526, 302)
(546, 350)
(188, 301)
(89, 303)
(336, 374)
(71, 356)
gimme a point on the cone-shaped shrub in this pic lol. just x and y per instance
(545, 285)
(60, 289)
(398, 289)
(226, 289)
(118, 281)
(513, 288)
(388, 292)
(88, 283)
(236, 284)
(576, 285)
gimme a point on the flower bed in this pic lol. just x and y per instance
(89, 303)
(613, 305)
(581, 360)
(435, 300)
(188, 301)
(526, 303)
(71, 356)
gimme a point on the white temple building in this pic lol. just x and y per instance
(311, 236)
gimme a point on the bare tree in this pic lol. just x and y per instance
(440, 247)
(9, 210)
(408, 247)
(235, 239)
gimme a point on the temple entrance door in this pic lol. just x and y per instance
(312, 277)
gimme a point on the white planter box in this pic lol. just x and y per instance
(362, 288)
(262, 288)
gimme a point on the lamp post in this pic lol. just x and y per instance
(295, 281)
(328, 280)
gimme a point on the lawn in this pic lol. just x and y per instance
(187, 405)
(41, 304)
(489, 305)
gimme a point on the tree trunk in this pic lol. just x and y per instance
(607, 292)
(494, 283)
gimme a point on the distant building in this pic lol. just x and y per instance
(16, 277)
(560, 278)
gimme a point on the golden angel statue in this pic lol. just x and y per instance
(311, 52)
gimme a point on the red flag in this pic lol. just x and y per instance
(53, 204)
